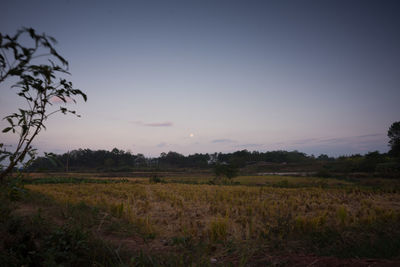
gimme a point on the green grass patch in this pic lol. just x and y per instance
(71, 180)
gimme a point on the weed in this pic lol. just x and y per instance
(342, 214)
(218, 230)
(70, 180)
(155, 178)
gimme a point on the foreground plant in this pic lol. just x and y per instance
(39, 71)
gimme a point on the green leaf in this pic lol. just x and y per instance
(32, 33)
(52, 158)
(24, 129)
(7, 129)
(84, 96)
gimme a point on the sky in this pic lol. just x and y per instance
(219, 76)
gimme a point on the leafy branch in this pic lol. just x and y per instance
(39, 84)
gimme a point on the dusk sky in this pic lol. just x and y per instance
(220, 76)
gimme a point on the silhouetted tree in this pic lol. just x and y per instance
(394, 136)
(39, 83)
(228, 170)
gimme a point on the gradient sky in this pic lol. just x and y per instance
(206, 76)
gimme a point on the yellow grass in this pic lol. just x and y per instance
(221, 212)
(291, 180)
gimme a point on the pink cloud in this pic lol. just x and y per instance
(154, 124)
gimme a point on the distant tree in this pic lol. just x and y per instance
(231, 171)
(371, 160)
(172, 159)
(140, 160)
(109, 163)
(228, 170)
(323, 157)
(38, 70)
(116, 151)
(240, 158)
(394, 136)
(197, 160)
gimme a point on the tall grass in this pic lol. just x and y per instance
(238, 213)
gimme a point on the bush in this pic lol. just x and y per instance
(227, 170)
(388, 169)
(323, 173)
(67, 246)
(155, 179)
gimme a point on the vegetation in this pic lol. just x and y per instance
(222, 171)
(394, 136)
(177, 210)
(39, 82)
(182, 224)
(372, 164)
(70, 180)
(170, 214)
(30, 237)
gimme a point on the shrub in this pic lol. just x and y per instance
(155, 178)
(323, 173)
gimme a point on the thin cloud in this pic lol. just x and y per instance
(159, 124)
(366, 138)
(249, 145)
(163, 144)
(222, 141)
(278, 144)
(304, 141)
(369, 135)
(154, 124)
(333, 140)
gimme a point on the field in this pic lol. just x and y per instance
(254, 220)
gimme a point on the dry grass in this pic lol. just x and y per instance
(229, 212)
(291, 181)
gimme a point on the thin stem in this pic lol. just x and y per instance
(5, 56)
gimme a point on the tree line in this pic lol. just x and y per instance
(120, 160)
(116, 159)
